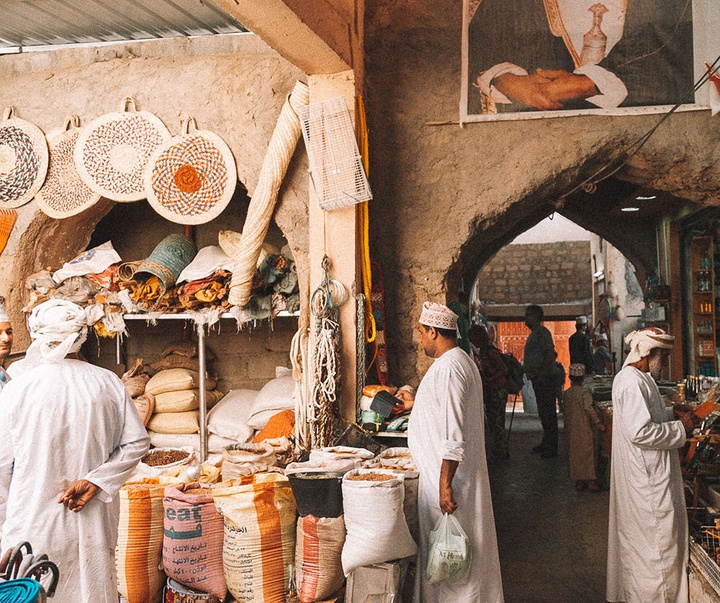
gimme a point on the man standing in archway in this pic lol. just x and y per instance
(538, 364)
(447, 441)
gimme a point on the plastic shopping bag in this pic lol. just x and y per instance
(449, 555)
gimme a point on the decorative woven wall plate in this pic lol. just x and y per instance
(64, 194)
(112, 152)
(191, 178)
(23, 160)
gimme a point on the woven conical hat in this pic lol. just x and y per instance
(23, 160)
(192, 177)
(64, 194)
(112, 152)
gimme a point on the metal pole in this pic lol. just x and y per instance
(202, 394)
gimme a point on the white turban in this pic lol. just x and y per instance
(58, 328)
(438, 316)
(642, 342)
(3, 314)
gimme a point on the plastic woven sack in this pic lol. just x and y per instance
(450, 555)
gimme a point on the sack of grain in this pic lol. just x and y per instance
(245, 459)
(138, 555)
(376, 528)
(174, 380)
(184, 400)
(318, 569)
(136, 385)
(145, 405)
(193, 540)
(259, 541)
(175, 422)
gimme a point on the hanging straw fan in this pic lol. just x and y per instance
(113, 151)
(23, 160)
(191, 178)
(335, 162)
(64, 194)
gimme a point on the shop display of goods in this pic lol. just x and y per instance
(156, 458)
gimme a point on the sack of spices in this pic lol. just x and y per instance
(193, 538)
(318, 568)
(138, 557)
(259, 543)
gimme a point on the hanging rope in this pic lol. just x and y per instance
(360, 343)
(301, 374)
(325, 370)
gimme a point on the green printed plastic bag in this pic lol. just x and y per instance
(450, 554)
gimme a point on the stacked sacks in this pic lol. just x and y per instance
(320, 529)
(177, 399)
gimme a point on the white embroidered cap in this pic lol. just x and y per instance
(3, 314)
(581, 320)
(577, 370)
(438, 316)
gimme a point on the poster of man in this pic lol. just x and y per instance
(526, 56)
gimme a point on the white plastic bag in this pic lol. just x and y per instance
(450, 554)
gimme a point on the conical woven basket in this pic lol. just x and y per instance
(64, 194)
(23, 160)
(191, 178)
(113, 151)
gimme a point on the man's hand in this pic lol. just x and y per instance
(562, 86)
(447, 504)
(406, 400)
(526, 89)
(78, 495)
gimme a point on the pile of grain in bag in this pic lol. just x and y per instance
(259, 542)
(177, 399)
(138, 555)
(193, 540)
(376, 528)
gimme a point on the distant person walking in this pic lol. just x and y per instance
(580, 346)
(494, 372)
(601, 357)
(539, 366)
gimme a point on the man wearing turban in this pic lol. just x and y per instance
(648, 531)
(6, 340)
(447, 441)
(70, 437)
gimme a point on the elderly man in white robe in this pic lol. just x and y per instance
(648, 531)
(447, 441)
(69, 438)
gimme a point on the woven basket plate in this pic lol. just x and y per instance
(191, 178)
(112, 152)
(64, 194)
(23, 160)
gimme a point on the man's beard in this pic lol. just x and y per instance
(656, 366)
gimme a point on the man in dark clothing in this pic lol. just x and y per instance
(539, 365)
(580, 348)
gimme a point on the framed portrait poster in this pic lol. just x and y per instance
(524, 59)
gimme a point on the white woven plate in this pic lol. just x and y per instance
(112, 152)
(64, 194)
(192, 177)
(23, 160)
